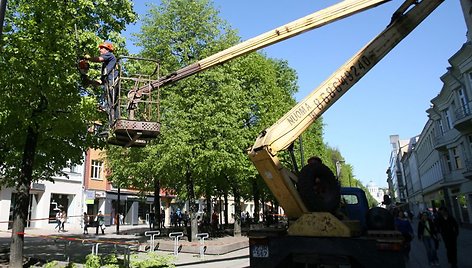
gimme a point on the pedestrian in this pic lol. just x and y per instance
(86, 222)
(427, 233)
(163, 218)
(214, 220)
(122, 217)
(100, 223)
(449, 230)
(403, 225)
(108, 78)
(58, 220)
(152, 219)
(63, 219)
(186, 218)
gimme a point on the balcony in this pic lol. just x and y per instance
(463, 118)
(440, 142)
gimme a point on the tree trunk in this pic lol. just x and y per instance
(192, 206)
(118, 210)
(257, 196)
(225, 196)
(20, 209)
(208, 208)
(237, 210)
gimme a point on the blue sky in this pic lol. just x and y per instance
(390, 100)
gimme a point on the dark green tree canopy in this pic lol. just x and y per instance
(41, 43)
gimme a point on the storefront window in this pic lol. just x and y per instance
(57, 203)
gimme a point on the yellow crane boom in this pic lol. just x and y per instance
(280, 135)
(317, 19)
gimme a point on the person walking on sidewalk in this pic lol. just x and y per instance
(63, 220)
(86, 222)
(449, 230)
(427, 233)
(403, 225)
(58, 220)
(100, 223)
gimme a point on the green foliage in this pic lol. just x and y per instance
(39, 79)
(92, 261)
(152, 259)
(110, 261)
(71, 265)
(45, 112)
(51, 264)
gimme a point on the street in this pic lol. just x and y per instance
(73, 246)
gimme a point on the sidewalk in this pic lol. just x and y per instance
(239, 257)
(48, 244)
(464, 249)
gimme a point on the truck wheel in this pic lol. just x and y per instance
(318, 188)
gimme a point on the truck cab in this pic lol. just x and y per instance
(354, 205)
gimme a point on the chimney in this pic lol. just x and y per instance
(467, 10)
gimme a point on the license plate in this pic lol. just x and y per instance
(260, 251)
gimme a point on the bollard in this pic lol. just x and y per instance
(58, 243)
(152, 235)
(176, 236)
(202, 237)
(66, 246)
(126, 257)
(95, 249)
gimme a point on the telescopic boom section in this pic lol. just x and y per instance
(335, 12)
(280, 135)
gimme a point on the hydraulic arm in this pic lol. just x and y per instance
(317, 19)
(280, 135)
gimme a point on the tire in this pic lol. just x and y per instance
(319, 189)
(379, 219)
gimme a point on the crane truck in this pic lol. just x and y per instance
(315, 236)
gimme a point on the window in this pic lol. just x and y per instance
(463, 99)
(350, 199)
(96, 170)
(74, 169)
(441, 128)
(447, 116)
(448, 162)
(457, 158)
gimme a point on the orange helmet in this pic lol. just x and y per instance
(107, 46)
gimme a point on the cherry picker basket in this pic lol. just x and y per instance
(135, 111)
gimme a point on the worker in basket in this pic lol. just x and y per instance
(108, 79)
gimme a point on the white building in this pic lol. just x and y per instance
(376, 192)
(45, 198)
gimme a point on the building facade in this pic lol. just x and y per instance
(46, 199)
(438, 164)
